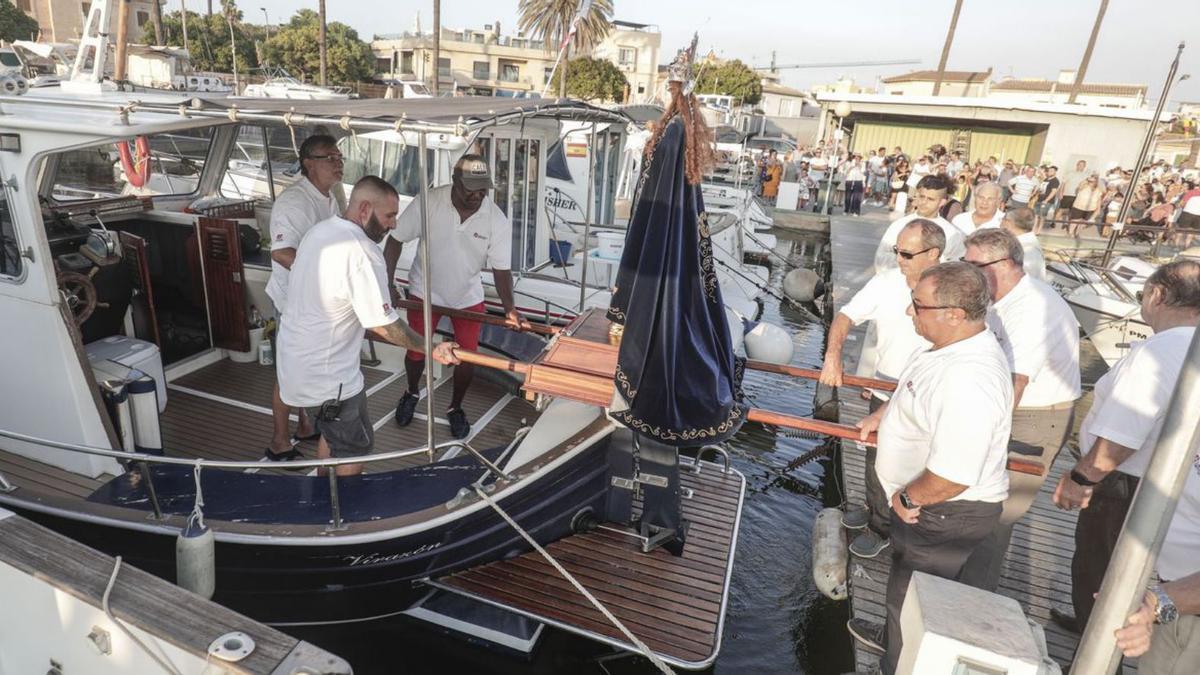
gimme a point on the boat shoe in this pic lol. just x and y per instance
(868, 633)
(405, 407)
(855, 517)
(459, 426)
(868, 544)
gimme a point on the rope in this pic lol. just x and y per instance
(344, 123)
(287, 120)
(162, 661)
(658, 663)
(197, 515)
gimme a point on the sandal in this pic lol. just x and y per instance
(271, 457)
(297, 438)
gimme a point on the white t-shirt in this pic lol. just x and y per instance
(885, 259)
(1040, 338)
(1035, 260)
(885, 300)
(1071, 181)
(1192, 206)
(339, 289)
(918, 172)
(1129, 408)
(965, 222)
(954, 167)
(952, 415)
(1022, 188)
(294, 213)
(460, 249)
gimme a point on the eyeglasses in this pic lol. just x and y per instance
(336, 159)
(986, 264)
(907, 255)
(918, 307)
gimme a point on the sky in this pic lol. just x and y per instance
(1021, 38)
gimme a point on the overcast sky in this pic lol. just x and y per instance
(1023, 38)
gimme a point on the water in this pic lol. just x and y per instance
(777, 622)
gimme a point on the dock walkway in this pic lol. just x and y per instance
(1037, 572)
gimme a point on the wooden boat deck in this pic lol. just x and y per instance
(223, 412)
(675, 605)
(1037, 571)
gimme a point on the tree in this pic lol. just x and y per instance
(729, 78)
(550, 21)
(291, 47)
(208, 38)
(15, 24)
(593, 79)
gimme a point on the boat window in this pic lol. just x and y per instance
(364, 156)
(10, 59)
(176, 162)
(10, 256)
(403, 171)
(501, 193)
(524, 203)
(556, 163)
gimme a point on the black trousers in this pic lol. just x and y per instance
(938, 544)
(854, 196)
(877, 500)
(1096, 534)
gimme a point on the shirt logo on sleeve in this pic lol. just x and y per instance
(387, 308)
(909, 386)
(279, 237)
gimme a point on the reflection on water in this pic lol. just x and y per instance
(777, 621)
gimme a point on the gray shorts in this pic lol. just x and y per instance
(351, 433)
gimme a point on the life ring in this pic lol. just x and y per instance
(137, 174)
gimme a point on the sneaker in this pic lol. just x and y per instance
(868, 633)
(856, 517)
(868, 544)
(405, 408)
(1065, 619)
(459, 426)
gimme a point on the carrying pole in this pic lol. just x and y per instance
(426, 303)
(587, 219)
(1146, 525)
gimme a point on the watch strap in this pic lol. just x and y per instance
(1166, 612)
(1080, 479)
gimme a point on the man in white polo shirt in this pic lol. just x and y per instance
(986, 212)
(468, 233)
(929, 198)
(1023, 186)
(884, 302)
(1040, 336)
(1120, 433)
(1019, 222)
(943, 440)
(307, 202)
(338, 289)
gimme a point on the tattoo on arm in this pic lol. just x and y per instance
(400, 333)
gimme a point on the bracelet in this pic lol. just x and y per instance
(1080, 479)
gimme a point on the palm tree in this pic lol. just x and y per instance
(321, 38)
(550, 21)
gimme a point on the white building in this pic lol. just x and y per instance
(954, 83)
(62, 20)
(1059, 91)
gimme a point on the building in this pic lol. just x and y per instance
(843, 85)
(488, 63)
(954, 83)
(1059, 91)
(780, 101)
(62, 20)
(1026, 132)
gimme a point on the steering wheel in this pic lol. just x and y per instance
(79, 293)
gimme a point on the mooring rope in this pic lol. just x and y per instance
(162, 661)
(658, 663)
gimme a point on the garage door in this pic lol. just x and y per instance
(915, 139)
(1003, 145)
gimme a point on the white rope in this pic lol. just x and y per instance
(162, 661)
(197, 516)
(658, 663)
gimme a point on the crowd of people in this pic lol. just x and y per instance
(986, 359)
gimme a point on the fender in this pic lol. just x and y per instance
(137, 174)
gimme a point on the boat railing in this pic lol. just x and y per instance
(336, 521)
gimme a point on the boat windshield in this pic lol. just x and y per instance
(394, 162)
(9, 59)
(176, 162)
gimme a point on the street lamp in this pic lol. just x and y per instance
(842, 110)
(266, 22)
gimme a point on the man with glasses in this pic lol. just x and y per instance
(467, 233)
(986, 212)
(1118, 438)
(307, 202)
(884, 302)
(943, 440)
(1040, 337)
(929, 198)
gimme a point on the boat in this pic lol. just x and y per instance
(279, 84)
(1105, 301)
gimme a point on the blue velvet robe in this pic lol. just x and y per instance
(676, 369)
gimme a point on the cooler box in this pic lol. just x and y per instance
(114, 355)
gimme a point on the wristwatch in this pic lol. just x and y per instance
(1080, 479)
(1166, 611)
(906, 501)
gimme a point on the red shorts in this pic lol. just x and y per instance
(466, 331)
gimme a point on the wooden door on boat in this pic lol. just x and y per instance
(224, 283)
(133, 256)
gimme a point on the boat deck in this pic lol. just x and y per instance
(1037, 571)
(223, 412)
(675, 605)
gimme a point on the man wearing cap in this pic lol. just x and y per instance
(467, 233)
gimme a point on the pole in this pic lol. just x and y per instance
(1147, 142)
(321, 41)
(941, 72)
(122, 23)
(426, 303)
(156, 18)
(1087, 53)
(233, 50)
(437, 47)
(183, 19)
(829, 176)
(587, 218)
(267, 28)
(1146, 525)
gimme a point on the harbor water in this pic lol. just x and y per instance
(777, 621)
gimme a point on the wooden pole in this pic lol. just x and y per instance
(122, 41)
(941, 71)
(183, 19)
(481, 317)
(1087, 53)
(156, 19)
(437, 46)
(321, 40)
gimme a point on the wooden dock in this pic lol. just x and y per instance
(675, 605)
(1037, 572)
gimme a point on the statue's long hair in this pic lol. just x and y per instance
(699, 155)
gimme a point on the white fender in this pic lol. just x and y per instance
(830, 554)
